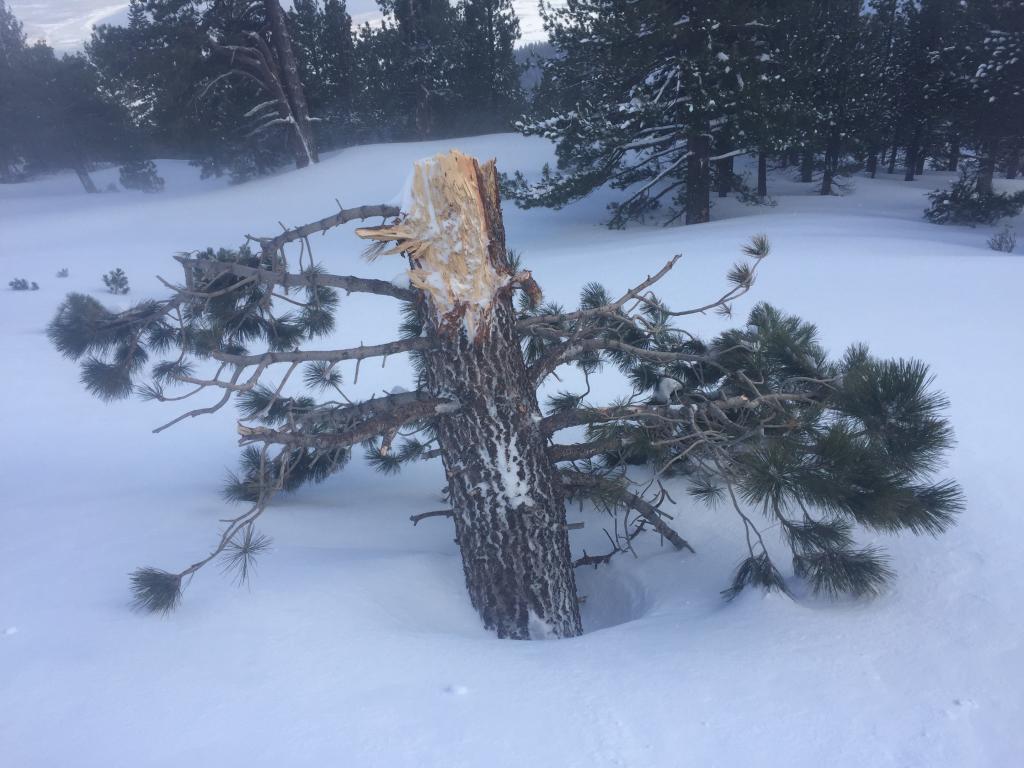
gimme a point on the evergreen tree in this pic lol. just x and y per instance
(141, 175)
(992, 83)
(421, 50)
(644, 93)
(757, 420)
(324, 49)
(12, 48)
(57, 117)
(489, 84)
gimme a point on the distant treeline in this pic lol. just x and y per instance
(656, 97)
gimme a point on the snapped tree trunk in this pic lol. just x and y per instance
(506, 497)
(698, 180)
(292, 84)
(762, 174)
(725, 169)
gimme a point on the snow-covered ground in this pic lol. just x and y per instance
(356, 644)
(67, 24)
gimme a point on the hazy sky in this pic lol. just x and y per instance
(65, 24)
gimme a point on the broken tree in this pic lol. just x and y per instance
(272, 67)
(758, 419)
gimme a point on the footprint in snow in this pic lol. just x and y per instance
(10, 631)
(456, 690)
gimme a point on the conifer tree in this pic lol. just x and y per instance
(12, 48)
(322, 35)
(664, 96)
(489, 80)
(807, 451)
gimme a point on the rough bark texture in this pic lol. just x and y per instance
(698, 180)
(506, 497)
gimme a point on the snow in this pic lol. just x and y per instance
(356, 644)
(67, 24)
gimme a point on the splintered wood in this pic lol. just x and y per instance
(446, 233)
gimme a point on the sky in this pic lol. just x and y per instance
(66, 24)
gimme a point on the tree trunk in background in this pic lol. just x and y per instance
(725, 168)
(762, 174)
(85, 178)
(922, 155)
(1013, 161)
(871, 165)
(986, 168)
(698, 180)
(913, 148)
(807, 166)
(292, 84)
(506, 497)
(893, 152)
(831, 162)
(954, 153)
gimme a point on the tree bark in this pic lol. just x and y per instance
(893, 152)
(762, 174)
(807, 166)
(872, 162)
(1013, 161)
(986, 169)
(506, 496)
(85, 178)
(954, 153)
(831, 162)
(725, 169)
(698, 180)
(912, 151)
(292, 84)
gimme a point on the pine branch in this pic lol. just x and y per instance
(589, 484)
(213, 269)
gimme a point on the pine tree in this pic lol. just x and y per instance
(420, 50)
(489, 79)
(992, 83)
(12, 48)
(757, 420)
(141, 175)
(324, 50)
(58, 117)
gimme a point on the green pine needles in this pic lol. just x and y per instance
(818, 457)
